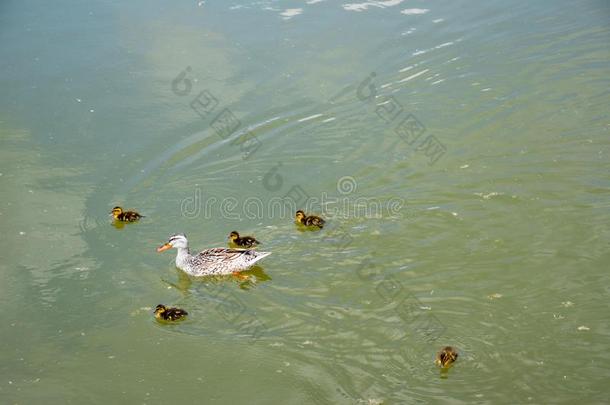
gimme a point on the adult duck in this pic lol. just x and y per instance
(211, 262)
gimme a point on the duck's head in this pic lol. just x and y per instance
(178, 241)
(299, 215)
(446, 357)
(233, 236)
(116, 211)
(159, 310)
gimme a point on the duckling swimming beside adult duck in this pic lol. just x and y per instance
(125, 216)
(242, 241)
(309, 220)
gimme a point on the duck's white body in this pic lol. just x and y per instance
(211, 262)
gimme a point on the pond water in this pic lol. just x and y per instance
(458, 150)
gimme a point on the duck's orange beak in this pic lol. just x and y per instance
(164, 248)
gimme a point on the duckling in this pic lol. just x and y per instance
(242, 241)
(310, 220)
(446, 357)
(125, 216)
(169, 314)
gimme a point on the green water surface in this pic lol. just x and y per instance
(459, 151)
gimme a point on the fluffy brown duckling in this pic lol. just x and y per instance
(125, 216)
(446, 357)
(242, 241)
(169, 314)
(309, 220)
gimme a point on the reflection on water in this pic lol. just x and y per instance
(479, 130)
(246, 280)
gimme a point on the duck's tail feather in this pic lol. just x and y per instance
(259, 256)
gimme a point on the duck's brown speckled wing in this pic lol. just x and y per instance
(224, 260)
(248, 241)
(314, 221)
(217, 255)
(129, 216)
(176, 313)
